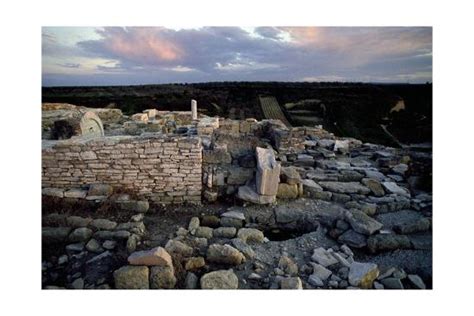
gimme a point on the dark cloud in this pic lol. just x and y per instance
(147, 55)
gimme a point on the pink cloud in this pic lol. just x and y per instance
(141, 44)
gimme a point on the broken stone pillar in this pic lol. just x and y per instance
(194, 109)
(268, 172)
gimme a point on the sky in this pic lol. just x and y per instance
(89, 56)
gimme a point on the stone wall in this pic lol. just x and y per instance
(162, 168)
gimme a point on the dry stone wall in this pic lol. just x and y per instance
(161, 168)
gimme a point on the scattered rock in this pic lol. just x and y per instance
(362, 275)
(94, 246)
(362, 223)
(221, 279)
(243, 247)
(52, 235)
(191, 281)
(80, 234)
(225, 232)
(416, 281)
(203, 232)
(291, 283)
(323, 257)
(194, 263)
(178, 247)
(315, 280)
(288, 266)
(224, 254)
(131, 277)
(77, 221)
(162, 277)
(193, 225)
(250, 235)
(103, 224)
(383, 242)
(392, 283)
(321, 272)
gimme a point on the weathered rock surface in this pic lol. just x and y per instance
(363, 274)
(323, 257)
(384, 242)
(80, 234)
(219, 280)
(132, 277)
(162, 277)
(51, 235)
(224, 254)
(287, 191)
(250, 235)
(225, 232)
(362, 223)
(178, 247)
(103, 224)
(268, 172)
(344, 187)
(154, 257)
(291, 283)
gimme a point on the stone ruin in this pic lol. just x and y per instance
(342, 197)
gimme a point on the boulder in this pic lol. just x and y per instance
(224, 254)
(344, 187)
(131, 277)
(291, 283)
(194, 263)
(154, 257)
(219, 280)
(362, 223)
(203, 232)
(250, 235)
(162, 277)
(52, 235)
(103, 224)
(94, 246)
(225, 232)
(362, 275)
(80, 234)
(77, 221)
(268, 172)
(178, 247)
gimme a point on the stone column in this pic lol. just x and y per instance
(194, 109)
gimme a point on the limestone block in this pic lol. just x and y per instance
(268, 172)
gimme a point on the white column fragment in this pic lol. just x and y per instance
(194, 109)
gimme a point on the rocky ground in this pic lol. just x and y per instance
(347, 215)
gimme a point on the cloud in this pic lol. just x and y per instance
(158, 54)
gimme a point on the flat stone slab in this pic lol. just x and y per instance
(363, 274)
(234, 214)
(392, 187)
(344, 187)
(362, 223)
